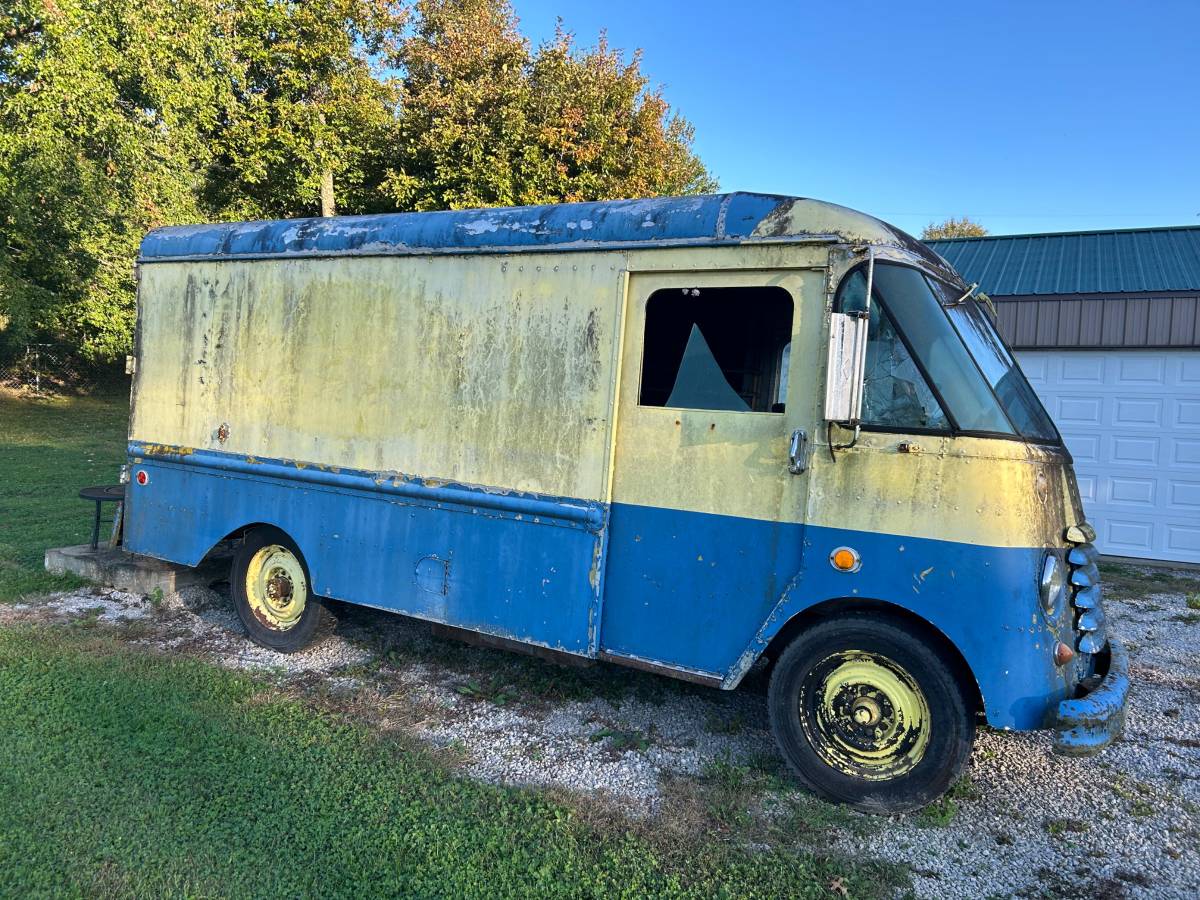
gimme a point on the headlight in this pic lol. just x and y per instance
(1053, 584)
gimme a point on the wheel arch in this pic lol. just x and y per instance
(842, 606)
(242, 530)
(215, 547)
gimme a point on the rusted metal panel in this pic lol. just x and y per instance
(311, 359)
(713, 220)
(443, 413)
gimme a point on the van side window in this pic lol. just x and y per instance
(717, 348)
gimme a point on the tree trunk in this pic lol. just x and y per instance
(328, 208)
(328, 204)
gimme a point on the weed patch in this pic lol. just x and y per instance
(942, 811)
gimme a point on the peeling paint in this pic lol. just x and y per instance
(433, 398)
(482, 419)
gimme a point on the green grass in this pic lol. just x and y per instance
(1124, 581)
(49, 449)
(125, 773)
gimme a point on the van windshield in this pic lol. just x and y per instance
(1002, 372)
(931, 368)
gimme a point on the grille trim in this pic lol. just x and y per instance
(1087, 597)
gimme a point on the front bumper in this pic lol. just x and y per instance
(1086, 725)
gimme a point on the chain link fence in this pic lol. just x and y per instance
(40, 369)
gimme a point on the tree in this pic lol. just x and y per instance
(101, 138)
(463, 100)
(600, 133)
(953, 228)
(118, 116)
(310, 111)
(121, 116)
(486, 121)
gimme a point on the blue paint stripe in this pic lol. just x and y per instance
(717, 218)
(583, 513)
(685, 590)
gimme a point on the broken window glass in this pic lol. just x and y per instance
(717, 348)
(894, 391)
(700, 383)
(1002, 372)
(919, 372)
(909, 300)
(785, 364)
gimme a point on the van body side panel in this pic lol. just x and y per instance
(691, 589)
(667, 604)
(982, 598)
(410, 421)
(514, 565)
(707, 523)
(483, 370)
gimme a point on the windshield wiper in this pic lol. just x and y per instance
(971, 290)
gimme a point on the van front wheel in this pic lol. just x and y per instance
(870, 715)
(273, 594)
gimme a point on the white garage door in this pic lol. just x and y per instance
(1131, 419)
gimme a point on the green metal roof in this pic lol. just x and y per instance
(1080, 262)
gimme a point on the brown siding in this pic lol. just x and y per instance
(1075, 321)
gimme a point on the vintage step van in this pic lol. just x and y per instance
(680, 434)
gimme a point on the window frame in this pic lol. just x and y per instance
(955, 429)
(776, 352)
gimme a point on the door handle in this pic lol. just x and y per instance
(797, 452)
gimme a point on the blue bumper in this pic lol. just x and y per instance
(1088, 724)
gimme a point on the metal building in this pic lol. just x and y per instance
(1106, 325)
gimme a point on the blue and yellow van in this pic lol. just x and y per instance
(690, 435)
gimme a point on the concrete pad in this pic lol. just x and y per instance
(114, 567)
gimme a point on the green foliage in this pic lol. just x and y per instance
(943, 811)
(307, 100)
(100, 140)
(619, 740)
(120, 116)
(494, 691)
(127, 773)
(953, 228)
(487, 121)
(48, 451)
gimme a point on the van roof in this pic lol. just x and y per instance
(709, 220)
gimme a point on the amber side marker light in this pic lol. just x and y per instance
(845, 559)
(1063, 654)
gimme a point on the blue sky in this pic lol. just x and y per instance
(1027, 116)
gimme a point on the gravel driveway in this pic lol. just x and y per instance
(1023, 822)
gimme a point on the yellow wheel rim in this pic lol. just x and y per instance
(865, 715)
(276, 588)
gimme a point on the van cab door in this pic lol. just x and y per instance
(717, 409)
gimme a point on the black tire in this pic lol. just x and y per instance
(855, 663)
(304, 618)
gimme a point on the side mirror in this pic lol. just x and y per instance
(846, 367)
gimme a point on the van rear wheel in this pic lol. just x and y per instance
(868, 714)
(273, 594)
